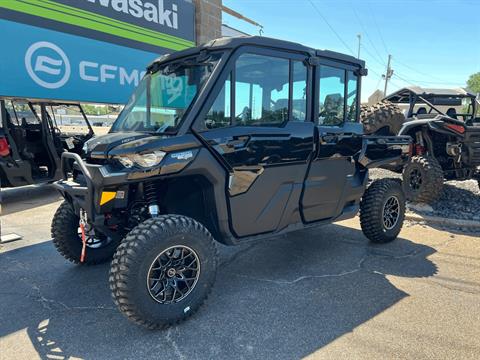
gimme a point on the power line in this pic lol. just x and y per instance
(383, 64)
(413, 82)
(417, 71)
(368, 36)
(378, 29)
(331, 28)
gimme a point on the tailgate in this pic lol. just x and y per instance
(390, 152)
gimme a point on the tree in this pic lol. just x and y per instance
(473, 83)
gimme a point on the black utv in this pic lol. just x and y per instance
(445, 132)
(33, 136)
(237, 140)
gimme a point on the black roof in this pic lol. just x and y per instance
(234, 42)
(402, 95)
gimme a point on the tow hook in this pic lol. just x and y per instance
(83, 223)
(153, 210)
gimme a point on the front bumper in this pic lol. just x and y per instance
(91, 181)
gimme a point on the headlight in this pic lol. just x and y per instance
(145, 160)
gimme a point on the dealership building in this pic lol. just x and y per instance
(96, 50)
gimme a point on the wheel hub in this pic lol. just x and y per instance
(391, 212)
(415, 179)
(173, 274)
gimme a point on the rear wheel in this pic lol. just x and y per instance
(423, 179)
(163, 271)
(67, 238)
(382, 210)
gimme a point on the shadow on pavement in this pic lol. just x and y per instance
(24, 198)
(289, 296)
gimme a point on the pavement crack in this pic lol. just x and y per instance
(173, 343)
(306, 277)
(50, 304)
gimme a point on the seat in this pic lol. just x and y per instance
(452, 113)
(422, 111)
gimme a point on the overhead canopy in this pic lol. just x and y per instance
(403, 95)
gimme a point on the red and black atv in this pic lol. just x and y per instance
(445, 132)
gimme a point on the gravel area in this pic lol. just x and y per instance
(459, 200)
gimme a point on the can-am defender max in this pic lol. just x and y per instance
(445, 131)
(236, 140)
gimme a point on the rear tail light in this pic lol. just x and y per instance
(457, 128)
(419, 149)
(4, 147)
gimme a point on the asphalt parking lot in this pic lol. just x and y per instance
(323, 293)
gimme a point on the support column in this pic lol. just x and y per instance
(208, 20)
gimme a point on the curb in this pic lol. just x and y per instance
(441, 220)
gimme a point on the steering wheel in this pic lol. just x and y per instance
(57, 132)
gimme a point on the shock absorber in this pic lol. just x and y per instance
(150, 192)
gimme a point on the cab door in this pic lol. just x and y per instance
(339, 138)
(260, 127)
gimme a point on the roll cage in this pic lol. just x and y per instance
(437, 100)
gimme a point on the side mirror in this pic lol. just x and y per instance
(361, 72)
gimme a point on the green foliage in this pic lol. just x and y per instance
(95, 109)
(473, 83)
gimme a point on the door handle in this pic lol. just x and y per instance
(329, 138)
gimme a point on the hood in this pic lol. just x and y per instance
(98, 147)
(119, 143)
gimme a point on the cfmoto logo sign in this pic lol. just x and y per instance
(47, 65)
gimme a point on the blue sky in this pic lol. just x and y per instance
(432, 43)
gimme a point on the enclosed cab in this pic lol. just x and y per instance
(240, 139)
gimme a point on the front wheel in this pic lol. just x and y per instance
(67, 238)
(382, 210)
(163, 271)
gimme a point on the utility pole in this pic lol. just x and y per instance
(359, 44)
(388, 75)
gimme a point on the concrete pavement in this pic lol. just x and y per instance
(323, 293)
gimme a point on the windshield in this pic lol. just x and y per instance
(162, 98)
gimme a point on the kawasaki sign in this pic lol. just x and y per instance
(148, 11)
(87, 50)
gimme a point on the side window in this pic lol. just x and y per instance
(351, 97)
(299, 99)
(261, 90)
(25, 115)
(332, 92)
(219, 114)
(68, 118)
